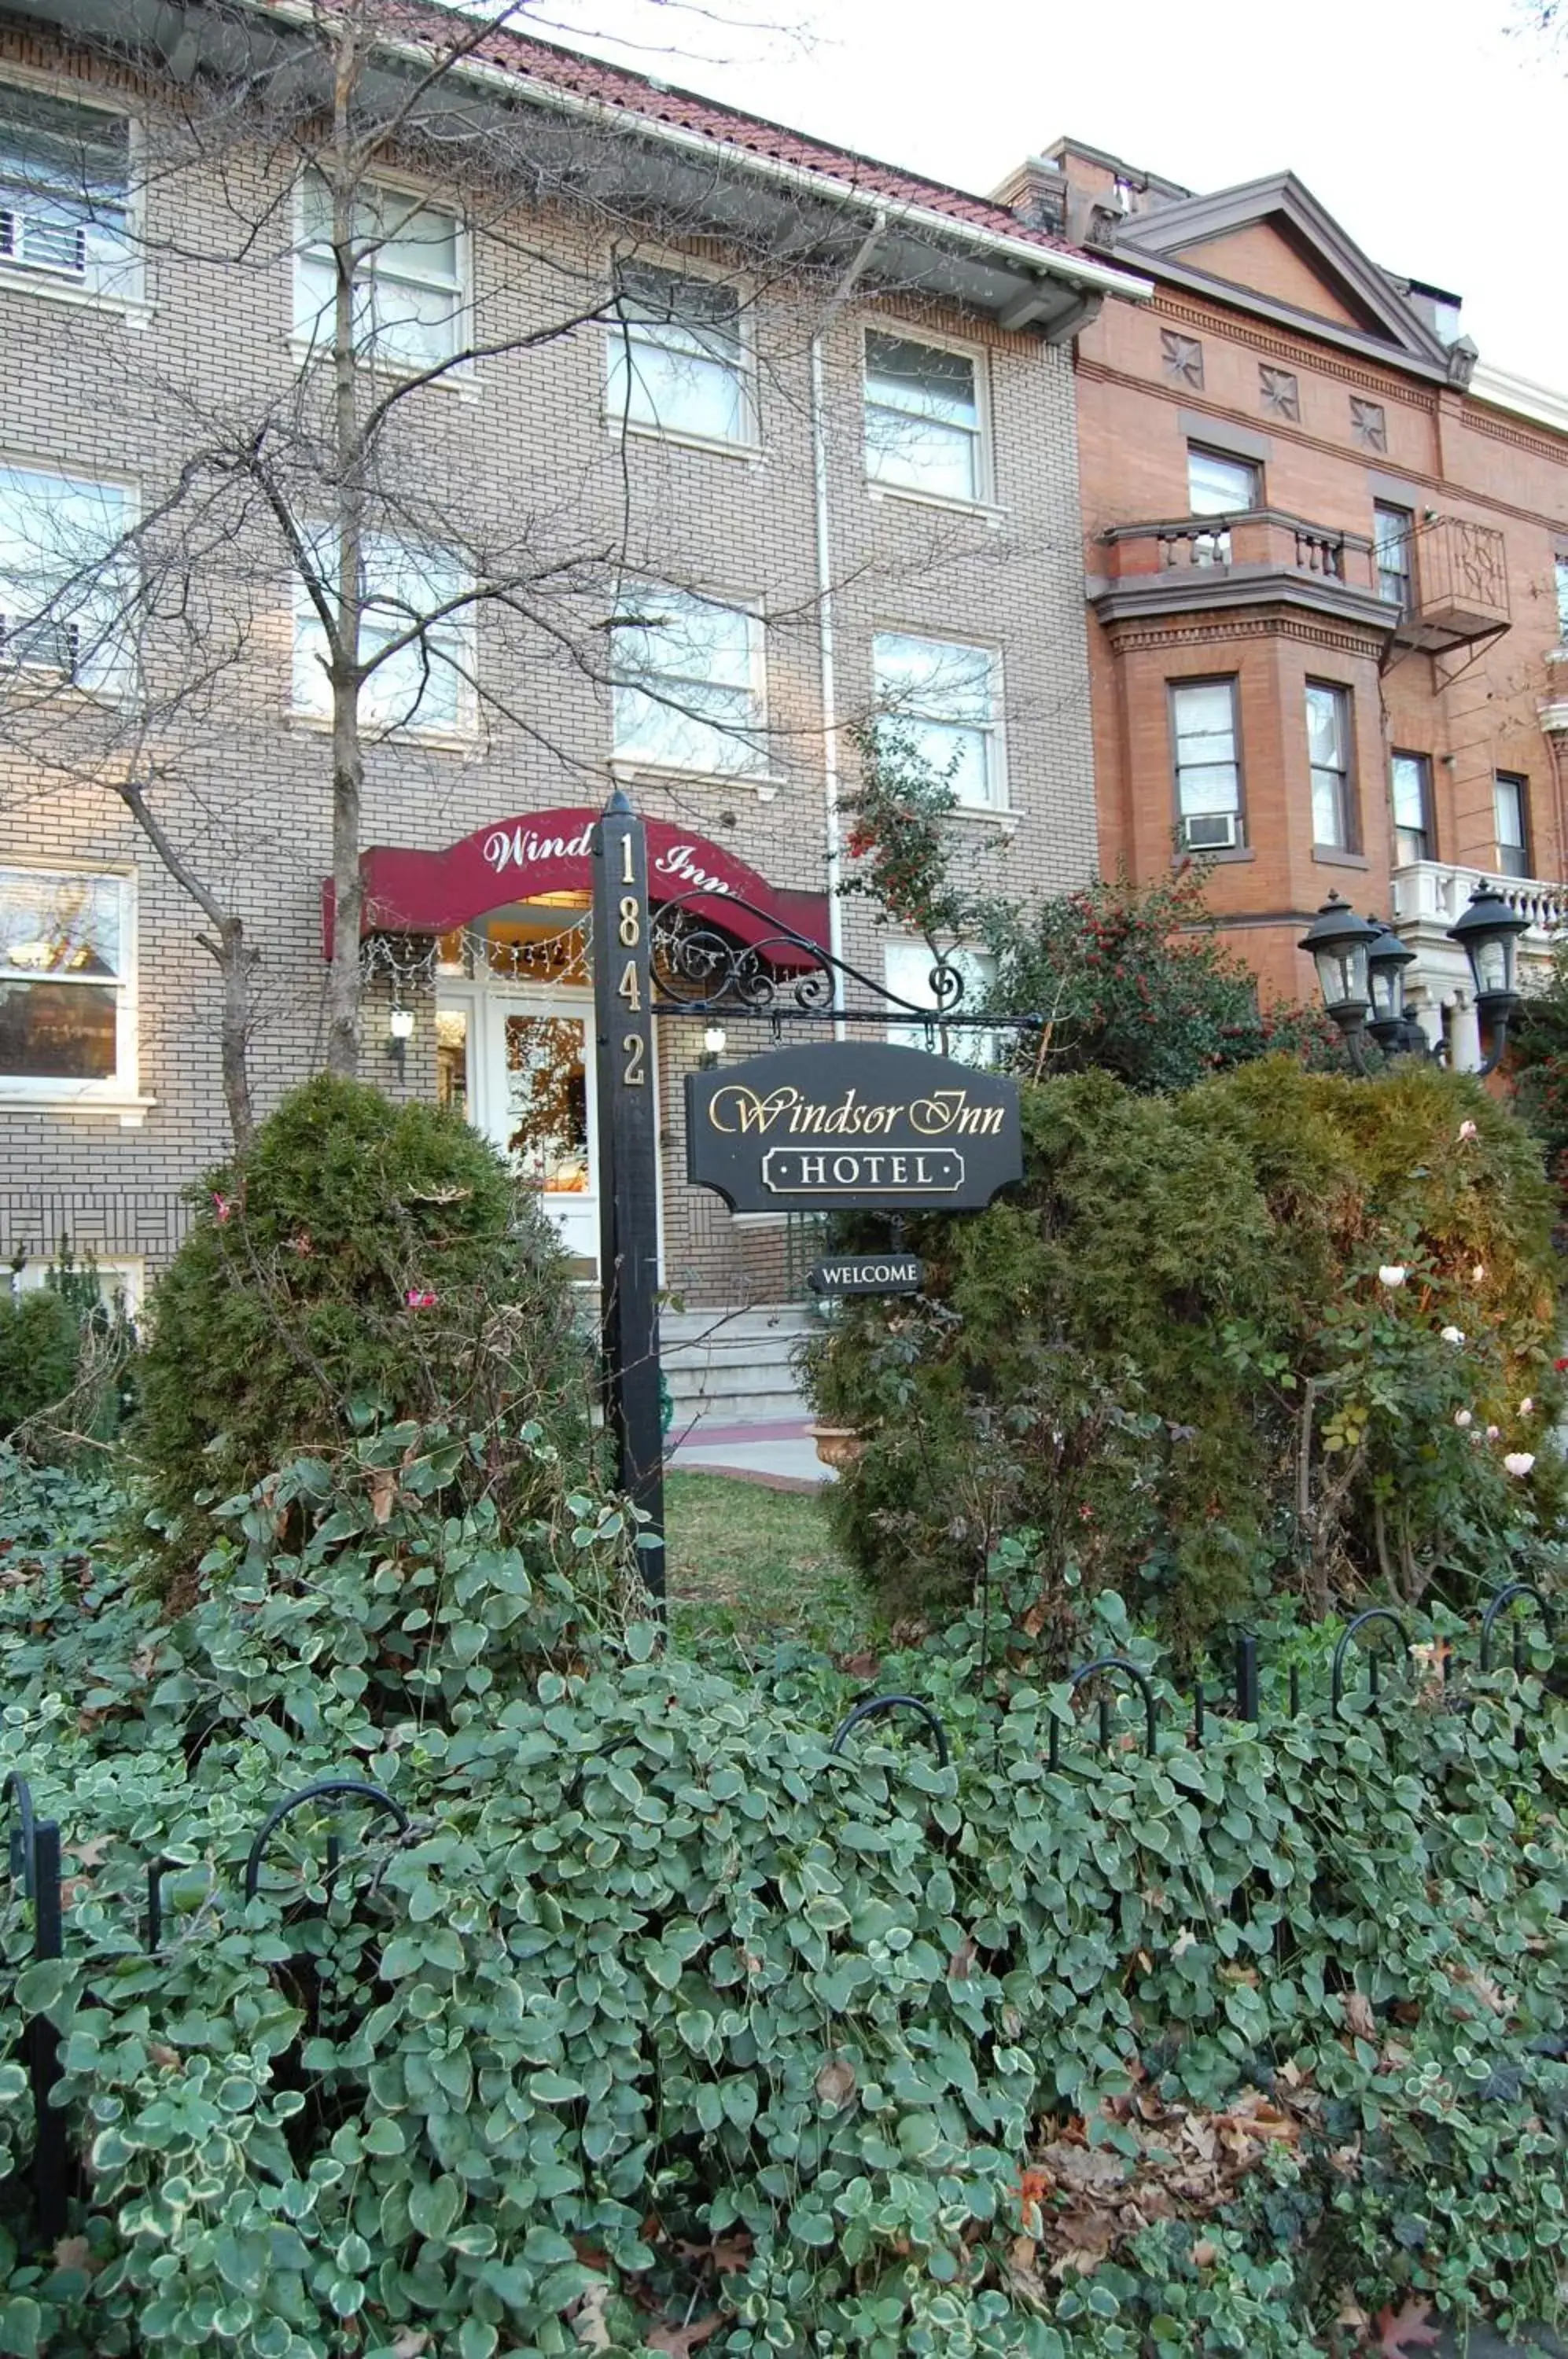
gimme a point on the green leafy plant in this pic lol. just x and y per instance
(1169, 1357)
(365, 1263)
(659, 2023)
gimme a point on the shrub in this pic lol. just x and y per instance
(367, 1263)
(659, 2019)
(39, 1340)
(1169, 1357)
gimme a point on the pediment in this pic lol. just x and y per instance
(1272, 239)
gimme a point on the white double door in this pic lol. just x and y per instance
(531, 1090)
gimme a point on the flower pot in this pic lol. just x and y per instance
(838, 1445)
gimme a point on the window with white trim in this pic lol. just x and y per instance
(678, 357)
(924, 429)
(943, 698)
(1411, 782)
(408, 263)
(1561, 563)
(1329, 760)
(1219, 484)
(66, 1013)
(1393, 547)
(689, 691)
(1510, 800)
(65, 192)
(66, 578)
(911, 970)
(121, 1279)
(1208, 764)
(426, 682)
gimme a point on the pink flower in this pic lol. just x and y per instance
(418, 1299)
(1526, 1406)
(1519, 1462)
(1393, 1273)
(1462, 1419)
(222, 1206)
(1467, 1130)
(1477, 1273)
(1493, 1431)
(1453, 1335)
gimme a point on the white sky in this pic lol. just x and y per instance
(1433, 130)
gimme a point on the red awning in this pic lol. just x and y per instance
(520, 859)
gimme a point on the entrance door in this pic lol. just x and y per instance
(526, 1062)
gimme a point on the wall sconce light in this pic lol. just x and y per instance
(400, 1027)
(713, 1047)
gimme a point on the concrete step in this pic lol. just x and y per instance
(734, 1366)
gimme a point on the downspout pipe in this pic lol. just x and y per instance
(826, 625)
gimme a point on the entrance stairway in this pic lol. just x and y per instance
(734, 1367)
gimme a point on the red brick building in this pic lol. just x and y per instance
(1327, 558)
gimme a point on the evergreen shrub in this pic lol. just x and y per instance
(1169, 1360)
(368, 1263)
(40, 1335)
(661, 2028)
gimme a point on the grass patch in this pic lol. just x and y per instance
(749, 1566)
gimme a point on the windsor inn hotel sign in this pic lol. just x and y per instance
(850, 1125)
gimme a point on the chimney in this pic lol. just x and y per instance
(1037, 193)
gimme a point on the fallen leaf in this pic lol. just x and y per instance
(1359, 2015)
(1399, 2330)
(588, 2324)
(90, 1853)
(167, 2056)
(835, 2083)
(382, 1493)
(961, 1966)
(410, 2341)
(680, 2339)
(76, 2252)
(1204, 2254)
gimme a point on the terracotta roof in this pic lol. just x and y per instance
(549, 67)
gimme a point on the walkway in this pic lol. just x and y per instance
(781, 1456)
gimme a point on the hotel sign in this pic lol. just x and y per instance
(850, 1125)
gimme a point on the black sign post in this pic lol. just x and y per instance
(852, 1126)
(629, 1169)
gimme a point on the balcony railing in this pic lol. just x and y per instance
(1434, 893)
(1460, 590)
(1260, 540)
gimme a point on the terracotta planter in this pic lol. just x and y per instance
(838, 1445)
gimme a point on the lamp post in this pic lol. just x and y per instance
(1361, 966)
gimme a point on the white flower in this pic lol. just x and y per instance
(1467, 1130)
(1453, 1335)
(1478, 1273)
(1493, 1431)
(1462, 1418)
(1393, 1273)
(1519, 1462)
(1526, 1406)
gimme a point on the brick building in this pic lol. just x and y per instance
(821, 412)
(1328, 576)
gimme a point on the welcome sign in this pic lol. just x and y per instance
(849, 1125)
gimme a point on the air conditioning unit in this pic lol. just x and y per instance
(38, 242)
(1212, 831)
(41, 646)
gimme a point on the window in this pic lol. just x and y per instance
(1562, 598)
(688, 676)
(426, 684)
(1328, 753)
(924, 430)
(677, 355)
(1411, 781)
(121, 1277)
(408, 269)
(1510, 796)
(1393, 534)
(908, 967)
(942, 698)
(1219, 485)
(1208, 767)
(65, 1017)
(64, 192)
(66, 578)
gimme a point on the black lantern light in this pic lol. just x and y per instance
(1339, 941)
(1395, 1030)
(1489, 932)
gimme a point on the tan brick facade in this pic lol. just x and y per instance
(96, 391)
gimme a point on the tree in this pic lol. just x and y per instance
(332, 468)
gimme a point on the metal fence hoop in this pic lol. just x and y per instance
(1140, 1679)
(875, 1707)
(381, 1803)
(1509, 1595)
(17, 1801)
(1373, 1613)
